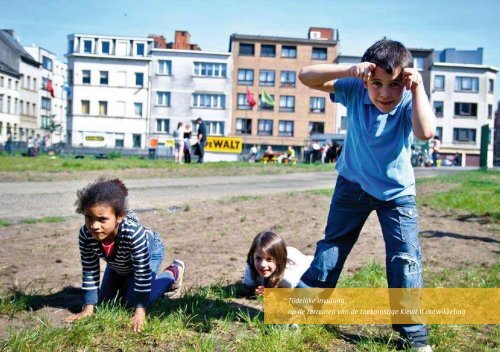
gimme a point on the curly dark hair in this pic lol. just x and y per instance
(110, 192)
(273, 245)
(389, 55)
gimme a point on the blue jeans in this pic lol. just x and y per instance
(398, 218)
(122, 286)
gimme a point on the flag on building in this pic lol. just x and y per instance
(50, 88)
(266, 98)
(250, 99)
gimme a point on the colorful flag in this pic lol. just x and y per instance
(266, 98)
(250, 99)
(50, 88)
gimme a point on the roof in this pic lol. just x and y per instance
(473, 66)
(273, 39)
(9, 70)
(17, 47)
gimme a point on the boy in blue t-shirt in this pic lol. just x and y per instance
(386, 101)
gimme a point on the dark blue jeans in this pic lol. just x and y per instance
(122, 286)
(398, 218)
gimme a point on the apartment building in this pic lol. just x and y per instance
(110, 81)
(52, 94)
(266, 69)
(19, 80)
(463, 97)
(187, 84)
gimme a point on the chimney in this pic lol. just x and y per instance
(320, 33)
(159, 41)
(182, 42)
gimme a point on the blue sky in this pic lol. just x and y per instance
(435, 24)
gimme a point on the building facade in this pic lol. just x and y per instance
(266, 69)
(110, 81)
(52, 94)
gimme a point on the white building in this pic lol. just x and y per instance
(188, 84)
(110, 77)
(52, 95)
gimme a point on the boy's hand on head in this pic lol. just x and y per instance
(411, 78)
(259, 291)
(87, 311)
(138, 319)
(362, 70)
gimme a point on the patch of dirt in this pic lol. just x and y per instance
(213, 238)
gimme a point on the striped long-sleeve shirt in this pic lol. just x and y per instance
(130, 255)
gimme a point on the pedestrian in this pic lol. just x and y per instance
(179, 143)
(201, 139)
(386, 101)
(435, 145)
(270, 263)
(187, 143)
(133, 254)
(8, 143)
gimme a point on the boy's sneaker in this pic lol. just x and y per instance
(178, 267)
(423, 349)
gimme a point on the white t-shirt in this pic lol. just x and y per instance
(298, 264)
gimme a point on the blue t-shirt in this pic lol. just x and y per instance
(377, 148)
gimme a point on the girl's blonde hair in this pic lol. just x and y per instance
(274, 246)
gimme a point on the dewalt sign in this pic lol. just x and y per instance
(224, 145)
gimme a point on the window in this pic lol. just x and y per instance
(242, 102)
(136, 140)
(139, 79)
(119, 138)
(105, 48)
(9, 83)
(466, 84)
(491, 86)
(46, 103)
(287, 103)
(317, 105)
(247, 49)
(165, 67)
(162, 125)
(209, 69)
(47, 63)
(87, 46)
(139, 49)
(86, 76)
(418, 63)
(438, 82)
(16, 106)
(266, 78)
(439, 132)
(45, 83)
(163, 98)
(289, 51)
(243, 126)
(103, 108)
(85, 107)
(138, 109)
(8, 104)
(209, 101)
(285, 128)
(287, 79)
(46, 122)
(265, 127)
(268, 50)
(438, 108)
(316, 127)
(34, 84)
(214, 128)
(1, 81)
(464, 135)
(1, 102)
(319, 53)
(265, 106)
(490, 111)
(21, 105)
(103, 80)
(245, 77)
(466, 109)
(27, 108)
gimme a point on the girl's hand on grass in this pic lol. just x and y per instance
(87, 311)
(138, 319)
(259, 291)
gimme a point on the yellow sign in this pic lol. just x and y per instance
(94, 138)
(224, 144)
(382, 306)
(170, 143)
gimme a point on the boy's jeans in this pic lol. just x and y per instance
(114, 284)
(398, 218)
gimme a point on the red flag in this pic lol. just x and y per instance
(50, 88)
(250, 99)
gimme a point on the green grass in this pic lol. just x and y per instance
(474, 192)
(46, 219)
(4, 223)
(213, 318)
